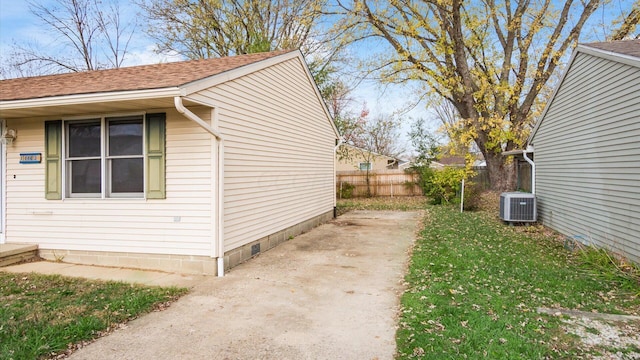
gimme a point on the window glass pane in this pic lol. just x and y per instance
(127, 175)
(365, 166)
(84, 139)
(125, 137)
(85, 176)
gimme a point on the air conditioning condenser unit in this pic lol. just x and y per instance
(518, 207)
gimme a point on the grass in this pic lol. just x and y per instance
(474, 284)
(45, 315)
(406, 203)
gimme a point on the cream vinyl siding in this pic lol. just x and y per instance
(587, 155)
(354, 157)
(180, 224)
(278, 151)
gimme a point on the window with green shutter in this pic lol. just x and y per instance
(53, 159)
(107, 157)
(155, 156)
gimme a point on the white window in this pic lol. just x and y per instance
(364, 166)
(104, 157)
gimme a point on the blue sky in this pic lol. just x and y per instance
(19, 25)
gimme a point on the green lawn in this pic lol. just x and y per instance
(474, 285)
(43, 315)
(405, 203)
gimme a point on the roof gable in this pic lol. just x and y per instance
(624, 51)
(623, 47)
(144, 77)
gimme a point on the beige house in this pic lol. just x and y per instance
(191, 166)
(351, 158)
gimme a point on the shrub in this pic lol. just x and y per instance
(472, 192)
(443, 186)
(345, 191)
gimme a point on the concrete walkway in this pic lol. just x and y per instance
(329, 294)
(145, 277)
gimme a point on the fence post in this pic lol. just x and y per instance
(340, 196)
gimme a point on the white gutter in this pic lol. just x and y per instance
(191, 116)
(533, 167)
(92, 98)
(219, 253)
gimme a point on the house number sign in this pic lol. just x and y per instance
(30, 158)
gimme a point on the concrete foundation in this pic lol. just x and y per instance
(185, 264)
(241, 254)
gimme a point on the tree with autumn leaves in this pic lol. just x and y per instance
(491, 59)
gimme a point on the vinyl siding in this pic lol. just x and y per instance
(180, 224)
(278, 144)
(352, 159)
(587, 154)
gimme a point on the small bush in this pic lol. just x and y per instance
(472, 198)
(444, 186)
(345, 190)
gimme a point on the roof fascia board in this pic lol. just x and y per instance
(610, 55)
(80, 99)
(553, 96)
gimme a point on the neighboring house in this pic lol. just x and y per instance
(351, 158)
(587, 149)
(405, 164)
(187, 166)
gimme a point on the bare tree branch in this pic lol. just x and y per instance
(90, 35)
(491, 59)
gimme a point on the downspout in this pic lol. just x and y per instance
(335, 160)
(220, 141)
(533, 168)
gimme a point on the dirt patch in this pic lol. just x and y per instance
(606, 339)
(345, 223)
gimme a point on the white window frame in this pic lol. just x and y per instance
(369, 166)
(105, 178)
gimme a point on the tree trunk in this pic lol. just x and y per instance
(368, 182)
(502, 175)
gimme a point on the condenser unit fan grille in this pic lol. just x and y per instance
(518, 207)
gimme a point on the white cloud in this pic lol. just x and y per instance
(149, 56)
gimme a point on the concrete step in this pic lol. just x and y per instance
(14, 253)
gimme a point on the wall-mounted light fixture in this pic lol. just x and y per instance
(9, 136)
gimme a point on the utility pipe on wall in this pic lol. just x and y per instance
(533, 168)
(220, 210)
(335, 160)
(220, 197)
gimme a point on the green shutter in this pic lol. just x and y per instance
(155, 175)
(53, 159)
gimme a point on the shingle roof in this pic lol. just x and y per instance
(125, 79)
(625, 47)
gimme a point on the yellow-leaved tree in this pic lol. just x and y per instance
(491, 59)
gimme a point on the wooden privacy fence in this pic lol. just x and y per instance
(381, 183)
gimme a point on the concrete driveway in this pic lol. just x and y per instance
(329, 294)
